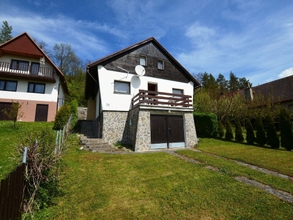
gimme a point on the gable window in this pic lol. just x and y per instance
(8, 85)
(160, 64)
(121, 87)
(36, 87)
(19, 65)
(143, 60)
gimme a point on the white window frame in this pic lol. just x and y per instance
(119, 87)
(143, 60)
(160, 65)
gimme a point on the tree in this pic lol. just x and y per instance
(5, 32)
(222, 84)
(286, 130)
(229, 132)
(66, 59)
(221, 130)
(233, 82)
(260, 132)
(272, 138)
(250, 138)
(14, 113)
(238, 132)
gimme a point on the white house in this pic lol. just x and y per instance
(142, 97)
(28, 76)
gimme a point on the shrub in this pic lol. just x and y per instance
(272, 138)
(260, 132)
(206, 124)
(286, 130)
(238, 132)
(13, 113)
(73, 110)
(250, 138)
(229, 132)
(62, 117)
(221, 130)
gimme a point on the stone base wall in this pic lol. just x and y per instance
(191, 139)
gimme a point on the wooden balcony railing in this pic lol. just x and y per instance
(145, 97)
(26, 70)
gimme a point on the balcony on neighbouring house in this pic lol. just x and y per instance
(161, 99)
(23, 70)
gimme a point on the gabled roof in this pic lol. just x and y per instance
(281, 89)
(139, 44)
(24, 45)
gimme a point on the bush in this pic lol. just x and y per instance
(206, 124)
(73, 110)
(250, 138)
(238, 132)
(272, 138)
(229, 133)
(286, 130)
(260, 132)
(62, 117)
(221, 130)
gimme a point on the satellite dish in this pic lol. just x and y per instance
(139, 69)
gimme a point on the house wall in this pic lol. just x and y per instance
(122, 102)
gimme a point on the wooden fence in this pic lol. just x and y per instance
(11, 194)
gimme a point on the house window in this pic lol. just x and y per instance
(19, 65)
(35, 68)
(121, 87)
(143, 60)
(8, 85)
(36, 87)
(160, 64)
(177, 91)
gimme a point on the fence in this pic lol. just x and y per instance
(11, 188)
(11, 192)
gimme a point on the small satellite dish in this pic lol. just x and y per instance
(139, 69)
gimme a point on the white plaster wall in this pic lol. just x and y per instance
(122, 102)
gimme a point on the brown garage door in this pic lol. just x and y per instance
(4, 105)
(41, 112)
(167, 131)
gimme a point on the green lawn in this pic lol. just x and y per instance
(10, 137)
(155, 186)
(276, 160)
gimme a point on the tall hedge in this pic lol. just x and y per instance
(238, 132)
(206, 124)
(250, 138)
(62, 117)
(272, 138)
(229, 133)
(286, 130)
(260, 132)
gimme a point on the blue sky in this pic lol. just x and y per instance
(252, 38)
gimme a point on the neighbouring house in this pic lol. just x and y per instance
(143, 97)
(28, 76)
(280, 90)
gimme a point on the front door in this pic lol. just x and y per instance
(41, 112)
(167, 131)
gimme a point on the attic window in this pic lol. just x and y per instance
(143, 60)
(160, 65)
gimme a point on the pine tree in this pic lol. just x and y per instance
(286, 130)
(260, 132)
(272, 138)
(221, 130)
(229, 132)
(238, 132)
(5, 32)
(250, 138)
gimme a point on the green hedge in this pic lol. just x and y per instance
(206, 124)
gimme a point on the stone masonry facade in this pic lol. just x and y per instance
(134, 130)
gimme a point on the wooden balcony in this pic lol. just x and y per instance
(27, 71)
(156, 99)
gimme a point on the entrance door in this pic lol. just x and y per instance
(41, 112)
(167, 131)
(152, 87)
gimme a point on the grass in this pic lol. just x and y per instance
(155, 186)
(10, 138)
(276, 160)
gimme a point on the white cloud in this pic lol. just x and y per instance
(286, 72)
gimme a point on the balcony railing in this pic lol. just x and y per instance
(146, 97)
(26, 70)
